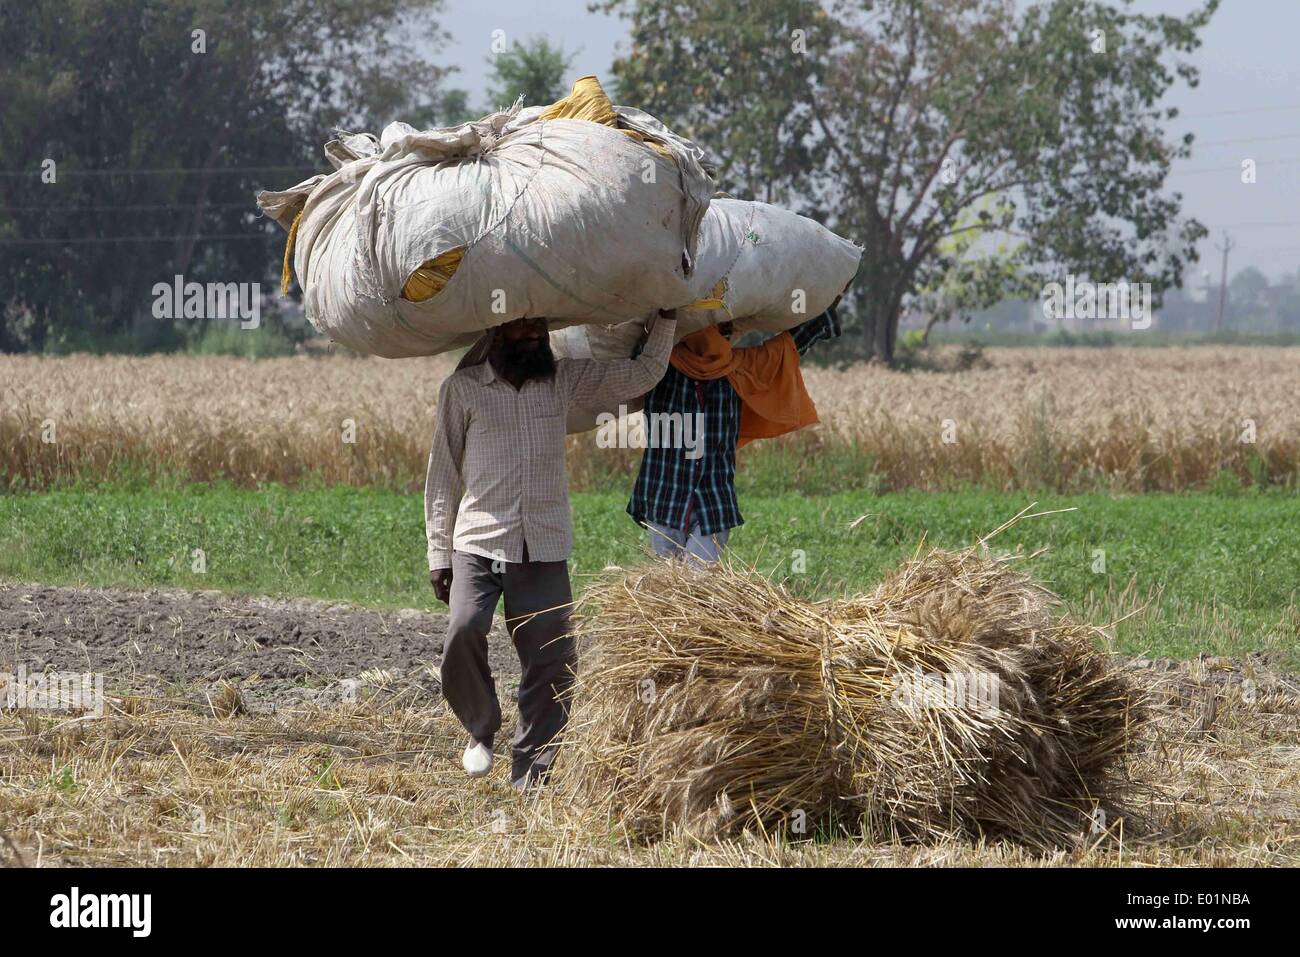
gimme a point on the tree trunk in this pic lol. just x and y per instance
(879, 308)
(884, 323)
(932, 320)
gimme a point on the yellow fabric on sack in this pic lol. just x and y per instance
(286, 270)
(586, 101)
(714, 299)
(432, 277)
(659, 148)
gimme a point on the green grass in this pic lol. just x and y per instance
(1212, 573)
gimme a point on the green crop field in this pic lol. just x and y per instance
(1197, 572)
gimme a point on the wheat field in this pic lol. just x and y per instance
(1064, 420)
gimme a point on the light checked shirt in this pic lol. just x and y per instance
(497, 476)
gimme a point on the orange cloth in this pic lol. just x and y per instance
(773, 398)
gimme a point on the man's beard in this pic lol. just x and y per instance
(518, 358)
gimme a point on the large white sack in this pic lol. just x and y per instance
(560, 218)
(779, 268)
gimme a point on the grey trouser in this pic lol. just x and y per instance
(694, 546)
(542, 641)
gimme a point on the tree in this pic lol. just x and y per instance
(1246, 293)
(975, 279)
(728, 78)
(1289, 306)
(898, 120)
(161, 119)
(534, 68)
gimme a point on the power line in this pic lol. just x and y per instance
(77, 240)
(1287, 161)
(161, 171)
(186, 206)
(1249, 139)
(1259, 109)
(1289, 225)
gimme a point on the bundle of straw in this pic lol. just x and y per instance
(949, 701)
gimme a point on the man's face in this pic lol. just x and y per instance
(531, 330)
(523, 348)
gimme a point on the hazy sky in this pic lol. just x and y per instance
(1246, 107)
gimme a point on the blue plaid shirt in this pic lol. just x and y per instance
(676, 491)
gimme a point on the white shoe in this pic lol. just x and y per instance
(477, 759)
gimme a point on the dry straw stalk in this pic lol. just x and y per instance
(714, 701)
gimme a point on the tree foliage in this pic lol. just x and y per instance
(534, 68)
(908, 123)
(162, 119)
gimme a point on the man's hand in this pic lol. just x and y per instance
(836, 329)
(649, 327)
(440, 579)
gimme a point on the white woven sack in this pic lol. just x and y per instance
(559, 218)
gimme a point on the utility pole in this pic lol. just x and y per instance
(1226, 248)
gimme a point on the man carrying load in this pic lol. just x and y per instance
(688, 501)
(496, 507)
